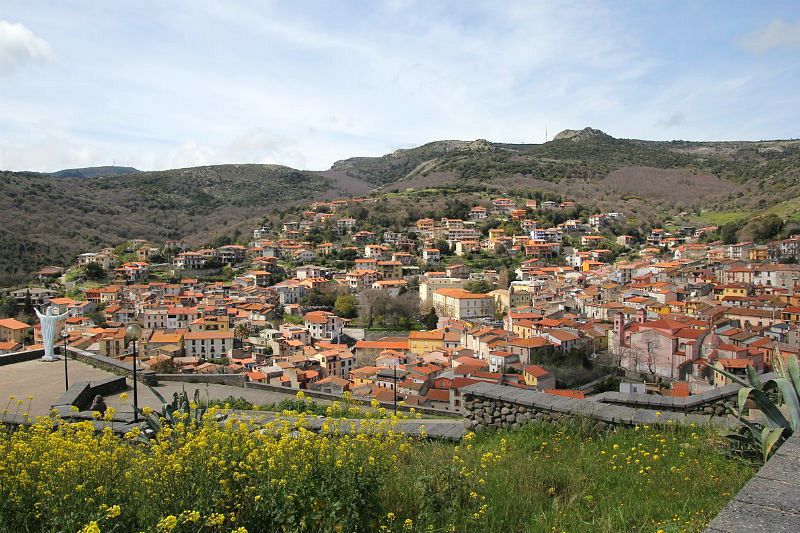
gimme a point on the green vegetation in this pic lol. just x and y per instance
(53, 219)
(346, 408)
(541, 478)
(777, 399)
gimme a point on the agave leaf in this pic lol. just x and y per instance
(769, 437)
(778, 366)
(793, 369)
(744, 395)
(752, 376)
(154, 422)
(771, 411)
(790, 400)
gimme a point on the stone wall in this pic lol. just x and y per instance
(234, 380)
(19, 357)
(714, 402)
(771, 499)
(148, 377)
(496, 406)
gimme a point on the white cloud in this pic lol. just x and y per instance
(288, 83)
(19, 46)
(775, 35)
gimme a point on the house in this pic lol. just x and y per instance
(290, 291)
(359, 280)
(420, 342)
(39, 297)
(392, 286)
(189, 261)
(12, 330)
(331, 385)
(478, 213)
(501, 360)
(431, 256)
(529, 350)
(208, 344)
(335, 362)
(9, 347)
(462, 304)
(536, 376)
(503, 205)
(323, 325)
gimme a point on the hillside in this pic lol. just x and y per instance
(50, 219)
(93, 172)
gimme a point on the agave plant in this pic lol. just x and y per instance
(762, 438)
(180, 409)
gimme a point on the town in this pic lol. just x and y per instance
(317, 302)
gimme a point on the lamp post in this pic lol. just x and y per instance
(132, 334)
(395, 387)
(64, 336)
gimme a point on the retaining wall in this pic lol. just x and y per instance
(714, 402)
(497, 406)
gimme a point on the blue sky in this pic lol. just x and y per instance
(168, 84)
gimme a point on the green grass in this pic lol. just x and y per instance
(563, 479)
(718, 218)
(788, 210)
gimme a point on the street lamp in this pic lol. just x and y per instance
(132, 334)
(395, 388)
(64, 336)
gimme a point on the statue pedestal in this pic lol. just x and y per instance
(51, 358)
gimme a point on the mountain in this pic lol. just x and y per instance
(50, 219)
(93, 172)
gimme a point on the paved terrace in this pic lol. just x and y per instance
(45, 382)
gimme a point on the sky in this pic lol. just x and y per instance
(170, 83)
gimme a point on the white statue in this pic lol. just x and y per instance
(49, 319)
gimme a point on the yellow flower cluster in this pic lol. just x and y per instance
(240, 475)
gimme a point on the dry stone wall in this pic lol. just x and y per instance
(489, 406)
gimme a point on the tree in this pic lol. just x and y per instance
(430, 319)
(95, 272)
(479, 286)
(372, 303)
(27, 306)
(241, 331)
(503, 278)
(346, 306)
(9, 307)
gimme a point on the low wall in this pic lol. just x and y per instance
(497, 406)
(290, 392)
(81, 393)
(20, 357)
(234, 380)
(714, 402)
(240, 380)
(770, 501)
(148, 377)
